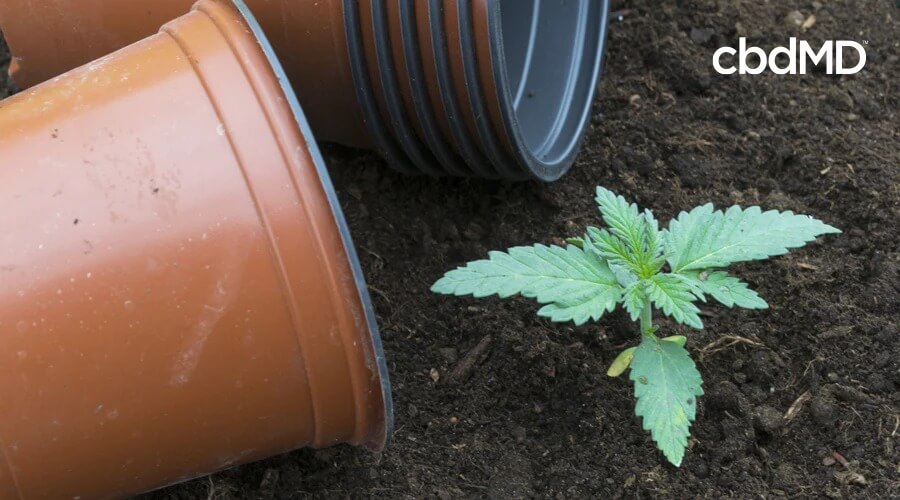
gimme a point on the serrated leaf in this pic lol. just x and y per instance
(707, 238)
(612, 249)
(624, 275)
(666, 385)
(624, 219)
(576, 241)
(655, 246)
(576, 285)
(675, 297)
(727, 289)
(621, 363)
(634, 299)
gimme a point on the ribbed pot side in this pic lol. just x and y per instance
(179, 292)
(487, 88)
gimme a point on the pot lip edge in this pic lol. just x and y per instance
(383, 437)
(537, 168)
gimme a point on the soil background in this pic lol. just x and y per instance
(537, 417)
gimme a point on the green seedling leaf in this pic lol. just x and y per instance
(675, 297)
(706, 238)
(575, 285)
(655, 244)
(678, 339)
(635, 298)
(666, 385)
(726, 289)
(623, 263)
(612, 249)
(624, 220)
(633, 239)
(621, 363)
(577, 242)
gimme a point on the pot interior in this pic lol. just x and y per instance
(543, 47)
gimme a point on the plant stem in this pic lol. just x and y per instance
(647, 319)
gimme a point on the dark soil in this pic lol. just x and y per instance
(5, 85)
(538, 417)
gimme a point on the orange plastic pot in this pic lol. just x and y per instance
(489, 88)
(178, 289)
(48, 38)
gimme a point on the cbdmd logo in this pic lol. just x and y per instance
(790, 60)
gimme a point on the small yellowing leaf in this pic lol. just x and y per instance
(621, 363)
(678, 339)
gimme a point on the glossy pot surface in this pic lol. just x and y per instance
(179, 290)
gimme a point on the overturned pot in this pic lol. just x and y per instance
(491, 88)
(179, 291)
(488, 88)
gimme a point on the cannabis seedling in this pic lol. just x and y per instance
(636, 264)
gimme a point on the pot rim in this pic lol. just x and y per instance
(578, 98)
(339, 219)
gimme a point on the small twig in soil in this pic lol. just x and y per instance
(380, 293)
(218, 491)
(794, 377)
(463, 370)
(796, 406)
(728, 341)
(372, 253)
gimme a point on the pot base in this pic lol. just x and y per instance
(184, 296)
